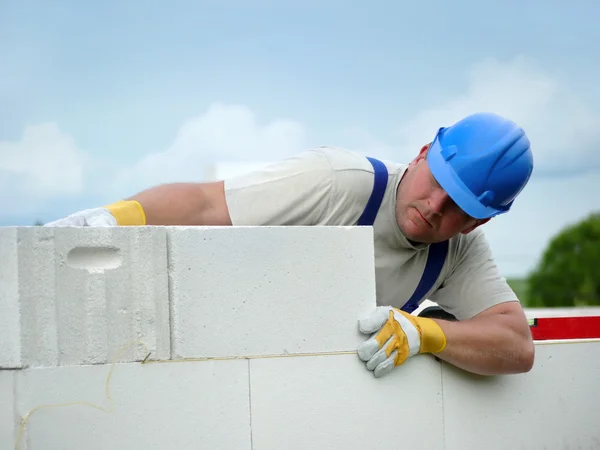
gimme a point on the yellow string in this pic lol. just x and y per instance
(222, 358)
(25, 419)
(146, 360)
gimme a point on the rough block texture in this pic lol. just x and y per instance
(76, 296)
(555, 406)
(10, 327)
(84, 293)
(333, 402)
(262, 290)
(156, 406)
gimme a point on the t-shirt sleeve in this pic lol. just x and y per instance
(294, 191)
(474, 283)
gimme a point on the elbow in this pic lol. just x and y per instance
(527, 358)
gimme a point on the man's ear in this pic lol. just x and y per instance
(421, 155)
(478, 223)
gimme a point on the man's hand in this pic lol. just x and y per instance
(116, 214)
(174, 204)
(396, 336)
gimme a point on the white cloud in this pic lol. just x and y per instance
(223, 133)
(561, 126)
(45, 163)
(563, 129)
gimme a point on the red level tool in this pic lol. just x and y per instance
(547, 328)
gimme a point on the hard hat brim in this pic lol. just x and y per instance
(454, 187)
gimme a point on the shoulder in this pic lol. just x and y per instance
(323, 162)
(324, 185)
(465, 248)
(472, 281)
(342, 159)
(353, 182)
(353, 163)
(354, 174)
(299, 190)
(468, 254)
(304, 171)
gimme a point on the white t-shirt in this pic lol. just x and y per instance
(331, 186)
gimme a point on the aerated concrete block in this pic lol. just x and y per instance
(8, 419)
(269, 290)
(190, 405)
(84, 293)
(554, 406)
(334, 402)
(10, 328)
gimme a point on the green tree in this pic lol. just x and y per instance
(519, 286)
(569, 271)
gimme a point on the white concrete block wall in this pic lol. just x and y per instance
(79, 295)
(299, 402)
(333, 402)
(261, 290)
(155, 407)
(555, 406)
(251, 293)
(32, 291)
(8, 419)
(10, 327)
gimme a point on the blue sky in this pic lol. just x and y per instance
(101, 99)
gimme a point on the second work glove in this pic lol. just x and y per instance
(395, 337)
(124, 212)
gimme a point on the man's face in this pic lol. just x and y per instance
(424, 211)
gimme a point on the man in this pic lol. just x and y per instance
(425, 215)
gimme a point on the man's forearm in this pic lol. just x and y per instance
(184, 204)
(488, 345)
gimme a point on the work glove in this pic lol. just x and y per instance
(395, 337)
(121, 213)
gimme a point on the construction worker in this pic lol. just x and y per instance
(426, 218)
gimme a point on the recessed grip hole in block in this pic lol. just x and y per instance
(95, 258)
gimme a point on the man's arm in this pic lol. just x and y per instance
(185, 204)
(294, 191)
(492, 335)
(496, 341)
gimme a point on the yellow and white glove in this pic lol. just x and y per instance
(395, 337)
(121, 213)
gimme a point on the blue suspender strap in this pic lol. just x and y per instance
(381, 178)
(436, 257)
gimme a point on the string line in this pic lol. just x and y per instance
(146, 360)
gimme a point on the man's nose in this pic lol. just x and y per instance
(439, 200)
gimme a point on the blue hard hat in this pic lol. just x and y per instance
(483, 162)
